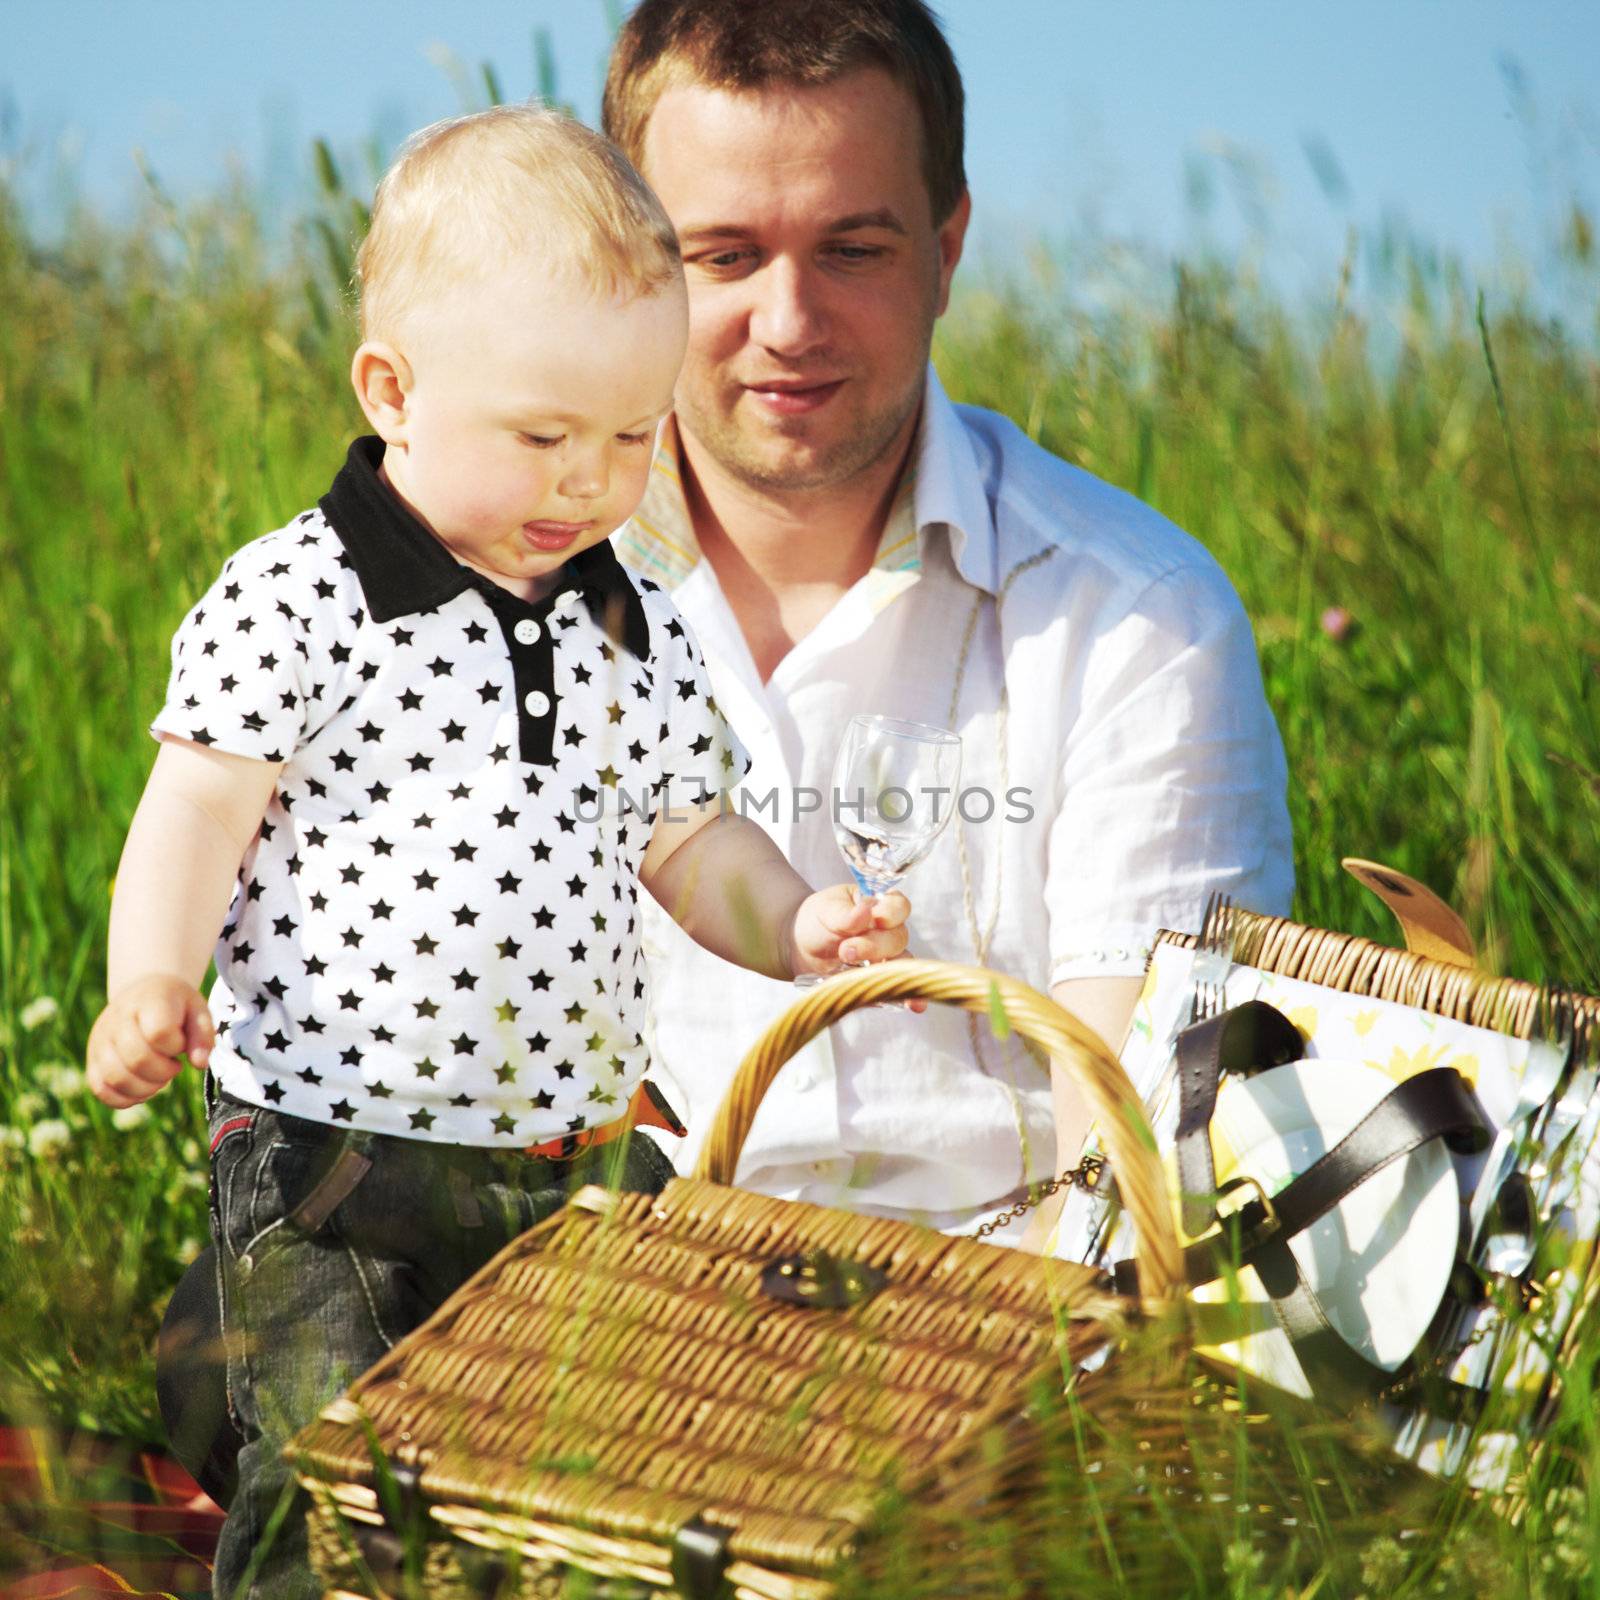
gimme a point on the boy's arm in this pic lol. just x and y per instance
(729, 887)
(196, 818)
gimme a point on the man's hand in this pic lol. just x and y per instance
(836, 926)
(137, 1043)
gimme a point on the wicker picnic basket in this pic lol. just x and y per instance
(713, 1390)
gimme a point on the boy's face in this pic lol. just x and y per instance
(528, 420)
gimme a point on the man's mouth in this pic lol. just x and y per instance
(553, 535)
(793, 397)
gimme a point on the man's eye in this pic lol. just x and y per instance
(857, 252)
(723, 260)
(540, 441)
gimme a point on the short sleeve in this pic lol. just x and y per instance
(1172, 783)
(252, 663)
(701, 755)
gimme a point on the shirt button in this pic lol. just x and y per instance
(526, 631)
(537, 703)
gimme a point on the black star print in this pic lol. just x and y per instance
(339, 654)
(608, 775)
(311, 1025)
(382, 910)
(501, 752)
(243, 951)
(543, 1100)
(465, 917)
(383, 973)
(315, 836)
(350, 1057)
(489, 692)
(541, 851)
(276, 1041)
(581, 674)
(505, 817)
(425, 945)
(419, 762)
(382, 1035)
(503, 1123)
(379, 1091)
(574, 1012)
(283, 926)
(309, 1075)
(422, 1119)
(575, 886)
(674, 629)
(463, 851)
(508, 949)
(464, 979)
(539, 981)
(578, 951)
(427, 1069)
(378, 793)
(460, 792)
(438, 666)
(538, 1044)
(382, 847)
(700, 745)
(351, 938)
(349, 1001)
(342, 1111)
(476, 632)
(544, 918)
(426, 1008)
(572, 736)
(230, 592)
(316, 966)
(369, 732)
(614, 711)
(273, 1091)
(343, 761)
(424, 879)
(401, 636)
(229, 684)
(453, 731)
(636, 751)
(685, 688)
(324, 589)
(565, 1069)
(410, 700)
(509, 883)
(462, 1045)
(505, 1073)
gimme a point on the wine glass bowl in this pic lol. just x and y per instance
(894, 787)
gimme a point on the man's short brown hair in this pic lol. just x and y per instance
(751, 44)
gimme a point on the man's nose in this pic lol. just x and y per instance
(787, 315)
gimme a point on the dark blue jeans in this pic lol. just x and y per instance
(324, 1263)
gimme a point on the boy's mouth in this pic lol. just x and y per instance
(554, 535)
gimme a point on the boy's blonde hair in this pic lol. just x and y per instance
(505, 185)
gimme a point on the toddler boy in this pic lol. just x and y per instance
(419, 748)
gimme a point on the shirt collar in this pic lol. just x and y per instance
(404, 569)
(943, 489)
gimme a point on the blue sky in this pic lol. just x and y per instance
(1270, 128)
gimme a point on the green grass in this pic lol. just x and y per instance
(166, 395)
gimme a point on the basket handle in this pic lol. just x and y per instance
(1141, 1180)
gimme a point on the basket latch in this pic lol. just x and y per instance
(700, 1560)
(821, 1281)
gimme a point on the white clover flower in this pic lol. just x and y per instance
(189, 1249)
(134, 1116)
(49, 1137)
(29, 1105)
(11, 1138)
(62, 1079)
(38, 1012)
(189, 1151)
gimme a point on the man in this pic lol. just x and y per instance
(843, 539)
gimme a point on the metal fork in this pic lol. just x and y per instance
(1550, 1053)
(1212, 960)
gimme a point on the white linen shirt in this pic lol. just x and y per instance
(435, 931)
(1104, 680)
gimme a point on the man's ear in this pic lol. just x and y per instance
(951, 235)
(382, 380)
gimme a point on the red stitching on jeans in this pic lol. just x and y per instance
(232, 1125)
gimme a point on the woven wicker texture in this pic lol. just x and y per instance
(1359, 966)
(620, 1372)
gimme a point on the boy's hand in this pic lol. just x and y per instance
(838, 927)
(137, 1043)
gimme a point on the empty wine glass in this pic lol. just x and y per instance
(894, 787)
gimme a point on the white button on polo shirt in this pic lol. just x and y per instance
(436, 930)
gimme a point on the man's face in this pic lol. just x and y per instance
(815, 272)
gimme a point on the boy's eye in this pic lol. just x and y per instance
(637, 438)
(540, 441)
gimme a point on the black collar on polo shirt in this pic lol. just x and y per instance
(403, 568)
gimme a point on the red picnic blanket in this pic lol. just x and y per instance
(82, 1514)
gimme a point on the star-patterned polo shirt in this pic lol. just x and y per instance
(435, 932)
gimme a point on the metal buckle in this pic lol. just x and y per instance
(1269, 1212)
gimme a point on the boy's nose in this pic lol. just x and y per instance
(587, 478)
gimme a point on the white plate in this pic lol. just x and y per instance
(1378, 1261)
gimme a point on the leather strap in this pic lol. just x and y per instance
(1246, 1039)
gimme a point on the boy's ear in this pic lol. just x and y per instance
(381, 377)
